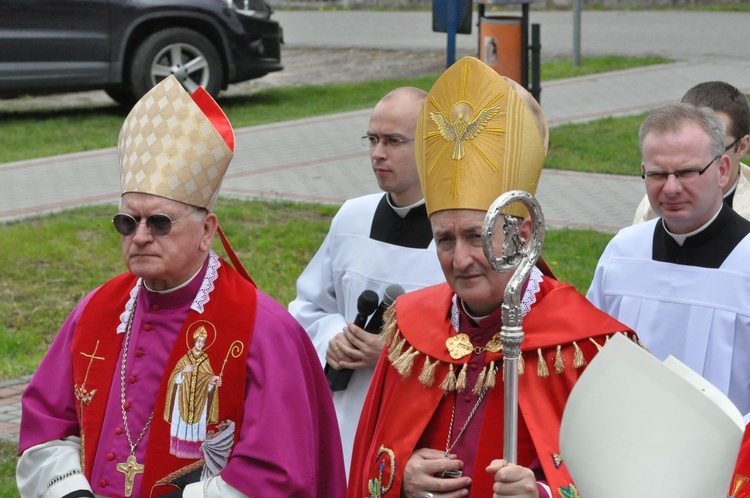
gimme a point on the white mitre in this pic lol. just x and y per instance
(634, 426)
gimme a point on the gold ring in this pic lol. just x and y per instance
(336, 348)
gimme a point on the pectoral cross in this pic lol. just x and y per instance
(130, 468)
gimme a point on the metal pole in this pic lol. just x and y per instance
(536, 68)
(512, 337)
(451, 25)
(576, 33)
(525, 45)
(480, 16)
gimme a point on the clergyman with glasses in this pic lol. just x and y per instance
(732, 107)
(374, 241)
(682, 281)
(99, 417)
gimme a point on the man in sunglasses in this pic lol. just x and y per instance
(176, 378)
(682, 281)
(732, 107)
(374, 241)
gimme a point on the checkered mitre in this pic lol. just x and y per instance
(175, 145)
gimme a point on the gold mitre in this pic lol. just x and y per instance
(479, 135)
(175, 145)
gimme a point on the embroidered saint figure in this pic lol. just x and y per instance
(193, 400)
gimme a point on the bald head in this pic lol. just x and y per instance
(407, 99)
(407, 92)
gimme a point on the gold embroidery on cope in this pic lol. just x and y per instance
(375, 486)
(192, 407)
(84, 396)
(193, 401)
(569, 492)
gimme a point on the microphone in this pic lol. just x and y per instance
(367, 302)
(375, 324)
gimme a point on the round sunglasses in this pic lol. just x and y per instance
(157, 224)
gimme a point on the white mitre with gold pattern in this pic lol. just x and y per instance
(479, 135)
(175, 145)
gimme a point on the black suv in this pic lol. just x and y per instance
(127, 46)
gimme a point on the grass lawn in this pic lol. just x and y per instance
(8, 470)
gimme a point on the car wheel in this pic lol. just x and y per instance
(188, 55)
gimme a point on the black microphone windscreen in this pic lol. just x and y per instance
(367, 302)
(389, 296)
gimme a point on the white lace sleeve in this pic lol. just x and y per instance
(51, 469)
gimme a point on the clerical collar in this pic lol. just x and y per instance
(169, 291)
(475, 319)
(403, 211)
(681, 237)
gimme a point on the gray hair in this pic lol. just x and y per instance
(672, 117)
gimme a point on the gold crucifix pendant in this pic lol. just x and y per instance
(130, 468)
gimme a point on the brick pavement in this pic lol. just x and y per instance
(10, 407)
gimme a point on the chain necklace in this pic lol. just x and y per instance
(130, 467)
(448, 445)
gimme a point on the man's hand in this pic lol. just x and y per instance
(422, 471)
(512, 480)
(354, 348)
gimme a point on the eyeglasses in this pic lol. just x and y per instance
(157, 224)
(372, 141)
(681, 175)
(726, 149)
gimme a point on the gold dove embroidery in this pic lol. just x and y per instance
(460, 345)
(462, 127)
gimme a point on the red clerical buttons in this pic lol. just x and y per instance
(474, 366)
(155, 307)
(132, 379)
(139, 353)
(103, 483)
(147, 327)
(126, 405)
(110, 456)
(467, 398)
(118, 431)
